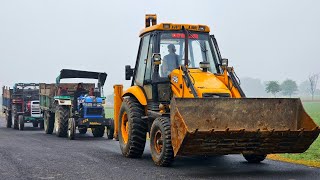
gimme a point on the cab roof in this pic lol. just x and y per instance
(175, 27)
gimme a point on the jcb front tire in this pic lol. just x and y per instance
(254, 158)
(61, 121)
(21, 122)
(98, 131)
(48, 122)
(160, 142)
(71, 129)
(132, 128)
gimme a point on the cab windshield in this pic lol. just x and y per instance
(172, 51)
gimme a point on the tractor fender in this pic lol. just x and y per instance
(63, 102)
(138, 93)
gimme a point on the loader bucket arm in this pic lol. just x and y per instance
(244, 125)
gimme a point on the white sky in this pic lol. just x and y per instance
(270, 40)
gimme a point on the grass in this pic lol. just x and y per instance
(109, 112)
(312, 156)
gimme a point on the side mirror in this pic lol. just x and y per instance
(156, 58)
(129, 72)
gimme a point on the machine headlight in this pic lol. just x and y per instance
(224, 62)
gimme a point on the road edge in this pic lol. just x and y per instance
(277, 157)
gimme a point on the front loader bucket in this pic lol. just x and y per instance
(212, 126)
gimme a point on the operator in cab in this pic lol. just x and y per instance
(79, 91)
(170, 61)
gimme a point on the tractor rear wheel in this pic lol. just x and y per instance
(48, 121)
(8, 120)
(160, 142)
(71, 129)
(21, 123)
(98, 131)
(132, 128)
(61, 121)
(35, 124)
(254, 158)
(82, 130)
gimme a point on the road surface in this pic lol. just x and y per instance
(31, 154)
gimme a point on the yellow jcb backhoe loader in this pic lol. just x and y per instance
(185, 95)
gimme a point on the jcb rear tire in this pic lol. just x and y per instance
(71, 129)
(160, 142)
(21, 123)
(98, 131)
(82, 130)
(61, 121)
(254, 158)
(8, 121)
(132, 128)
(48, 121)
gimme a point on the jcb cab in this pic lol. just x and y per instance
(191, 102)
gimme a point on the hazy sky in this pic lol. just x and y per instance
(270, 40)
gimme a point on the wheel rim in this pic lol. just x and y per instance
(125, 127)
(158, 142)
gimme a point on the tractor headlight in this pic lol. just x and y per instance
(99, 105)
(88, 104)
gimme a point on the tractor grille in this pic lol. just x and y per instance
(94, 111)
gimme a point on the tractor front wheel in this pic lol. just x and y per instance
(21, 122)
(41, 124)
(71, 129)
(98, 131)
(35, 124)
(110, 131)
(14, 117)
(48, 122)
(160, 142)
(8, 120)
(132, 128)
(82, 130)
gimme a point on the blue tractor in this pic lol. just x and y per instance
(75, 105)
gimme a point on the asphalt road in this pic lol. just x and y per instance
(31, 154)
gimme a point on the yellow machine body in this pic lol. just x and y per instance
(217, 119)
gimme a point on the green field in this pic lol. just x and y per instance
(109, 112)
(313, 153)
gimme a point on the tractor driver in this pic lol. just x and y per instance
(79, 91)
(170, 61)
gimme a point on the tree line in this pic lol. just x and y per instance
(290, 87)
